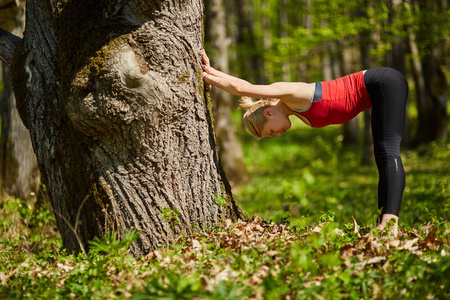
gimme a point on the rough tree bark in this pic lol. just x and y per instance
(111, 92)
(19, 174)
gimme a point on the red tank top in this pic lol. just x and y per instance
(342, 100)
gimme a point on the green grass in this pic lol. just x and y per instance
(308, 172)
(311, 186)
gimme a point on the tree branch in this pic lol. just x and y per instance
(8, 44)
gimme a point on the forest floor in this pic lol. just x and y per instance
(312, 236)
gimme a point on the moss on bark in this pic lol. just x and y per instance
(82, 40)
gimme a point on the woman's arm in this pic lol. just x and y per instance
(295, 94)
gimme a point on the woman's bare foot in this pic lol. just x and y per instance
(385, 220)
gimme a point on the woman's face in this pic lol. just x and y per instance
(277, 122)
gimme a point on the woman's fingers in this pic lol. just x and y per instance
(205, 68)
(205, 57)
(208, 86)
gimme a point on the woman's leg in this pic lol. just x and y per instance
(388, 90)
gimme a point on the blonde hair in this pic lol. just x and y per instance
(254, 119)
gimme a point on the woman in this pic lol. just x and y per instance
(333, 102)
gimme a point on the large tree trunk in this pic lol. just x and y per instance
(284, 23)
(350, 129)
(230, 148)
(366, 42)
(433, 124)
(431, 84)
(19, 174)
(335, 64)
(112, 94)
(396, 58)
(249, 53)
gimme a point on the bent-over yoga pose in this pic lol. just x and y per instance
(319, 104)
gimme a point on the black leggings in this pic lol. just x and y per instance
(388, 90)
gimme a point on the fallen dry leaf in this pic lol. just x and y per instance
(360, 257)
(196, 244)
(408, 246)
(339, 232)
(223, 275)
(228, 223)
(3, 278)
(259, 228)
(386, 266)
(348, 251)
(430, 241)
(317, 229)
(394, 243)
(154, 255)
(374, 246)
(272, 253)
(64, 267)
(258, 277)
(425, 228)
(347, 263)
(355, 227)
(317, 281)
(370, 261)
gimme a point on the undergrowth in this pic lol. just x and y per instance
(312, 237)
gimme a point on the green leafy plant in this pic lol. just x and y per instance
(322, 252)
(220, 200)
(171, 216)
(112, 244)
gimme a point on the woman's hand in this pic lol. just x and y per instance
(207, 85)
(205, 58)
(206, 68)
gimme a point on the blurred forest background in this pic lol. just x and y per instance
(264, 41)
(314, 179)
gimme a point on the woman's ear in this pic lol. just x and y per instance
(267, 112)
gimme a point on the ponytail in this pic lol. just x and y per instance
(245, 103)
(254, 119)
